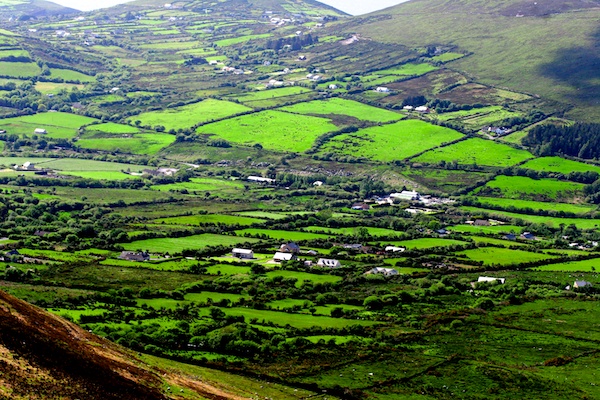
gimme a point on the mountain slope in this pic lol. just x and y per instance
(43, 356)
(32, 9)
(549, 48)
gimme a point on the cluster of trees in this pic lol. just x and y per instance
(578, 140)
(295, 42)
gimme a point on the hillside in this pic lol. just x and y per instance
(548, 48)
(43, 356)
(27, 9)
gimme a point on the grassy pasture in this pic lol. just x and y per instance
(502, 256)
(281, 234)
(353, 231)
(226, 269)
(241, 39)
(393, 74)
(561, 165)
(401, 140)
(19, 69)
(101, 175)
(59, 125)
(271, 94)
(453, 115)
(521, 187)
(75, 164)
(497, 242)
(476, 151)
(176, 245)
(538, 205)
(54, 88)
(209, 219)
(262, 214)
(337, 106)
(592, 265)
(175, 265)
(191, 114)
(295, 320)
(111, 127)
(70, 75)
(202, 185)
(142, 143)
(425, 243)
(496, 229)
(581, 223)
(274, 130)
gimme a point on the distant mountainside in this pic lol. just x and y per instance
(43, 356)
(26, 9)
(549, 48)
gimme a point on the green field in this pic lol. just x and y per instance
(187, 116)
(522, 187)
(58, 125)
(75, 164)
(111, 127)
(274, 130)
(52, 87)
(176, 245)
(241, 39)
(71, 76)
(209, 219)
(281, 234)
(202, 185)
(142, 143)
(556, 222)
(272, 97)
(337, 106)
(497, 256)
(592, 265)
(476, 151)
(390, 75)
(226, 269)
(401, 140)
(426, 243)
(557, 164)
(19, 69)
(375, 232)
(537, 205)
(494, 229)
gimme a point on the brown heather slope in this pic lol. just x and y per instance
(43, 356)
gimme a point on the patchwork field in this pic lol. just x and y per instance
(58, 125)
(592, 265)
(556, 222)
(426, 243)
(19, 69)
(561, 165)
(537, 205)
(522, 187)
(337, 106)
(141, 143)
(401, 140)
(209, 219)
(202, 185)
(274, 130)
(176, 245)
(185, 117)
(280, 234)
(273, 97)
(476, 151)
(497, 256)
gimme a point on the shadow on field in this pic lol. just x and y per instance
(578, 67)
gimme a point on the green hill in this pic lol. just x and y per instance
(548, 49)
(27, 9)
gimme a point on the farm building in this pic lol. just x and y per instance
(318, 183)
(134, 256)
(408, 108)
(422, 109)
(527, 235)
(581, 284)
(290, 247)
(361, 206)
(382, 89)
(260, 179)
(510, 236)
(279, 257)
(333, 87)
(481, 222)
(329, 263)
(490, 279)
(394, 249)
(406, 195)
(242, 254)
(27, 166)
(383, 271)
(161, 171)
(40, 131)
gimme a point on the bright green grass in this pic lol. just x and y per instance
(581, 223)
(175, 265)
(283, 235)
(205, 296)
(301, 321)
(274, 130)
(71, 76)
(101, 175)
(142, 143)
(502, 256)
(14, 53)
(170, 45)
(191, 114)
(209, 219)
(467, 113)
(425, 243)
(518, 187)
(497, 242)
(353, 231)
(271, 94)
(477, 151)
(592, 265)
(111, 127)
(497, 229)
(557, 164)
(75, 164)
(400, 140)
(337, 106)
(538, 205)
(201, 184)
(241, 39)
(19, 69)
(58, 125)
(176, 245)
(260, 214)
(226, 269)
(52, 87)
(320, 310)
(305, 277)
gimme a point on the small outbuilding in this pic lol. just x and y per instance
(279, 257)
(242, 254)
(581, 284)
